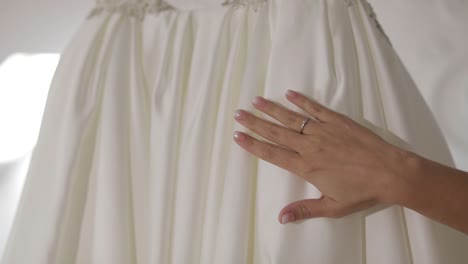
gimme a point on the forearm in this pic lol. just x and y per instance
(434, 190)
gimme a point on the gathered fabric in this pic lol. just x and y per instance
(135, 161)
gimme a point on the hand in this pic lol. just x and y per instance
(353, 167)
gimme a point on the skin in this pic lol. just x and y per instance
(353, 167)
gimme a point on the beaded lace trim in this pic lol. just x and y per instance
(134, 9)
(374, 19)
(255, 4)
(140, 8)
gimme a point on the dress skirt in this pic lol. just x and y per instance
(135, 162)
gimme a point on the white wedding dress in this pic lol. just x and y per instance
(135, 162)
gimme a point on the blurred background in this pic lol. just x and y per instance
(430, 36)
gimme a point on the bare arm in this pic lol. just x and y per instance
(434, 190)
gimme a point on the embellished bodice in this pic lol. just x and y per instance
(139, 8)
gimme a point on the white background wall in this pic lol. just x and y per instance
(429, 35)
(38, 26)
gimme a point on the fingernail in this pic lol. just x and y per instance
(239, 115)
(291, 94)
(238, 136)
(259, 101)
(287, 218)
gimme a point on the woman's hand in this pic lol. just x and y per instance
(353, 168)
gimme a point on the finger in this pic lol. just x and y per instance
(305, 209)
(315, 109)
(273, 132)
(285, 116)
(277, 155)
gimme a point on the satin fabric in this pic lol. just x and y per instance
(135, 161)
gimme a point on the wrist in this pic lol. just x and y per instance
(404, 178)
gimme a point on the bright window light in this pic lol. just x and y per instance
(24, 84)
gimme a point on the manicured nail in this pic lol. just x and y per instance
(240, 115)
(259, 101)
(287, 218)
(238, 136)
(291, 94)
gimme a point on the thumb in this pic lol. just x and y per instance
(305, 209)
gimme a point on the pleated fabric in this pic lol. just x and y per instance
(135, 161)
